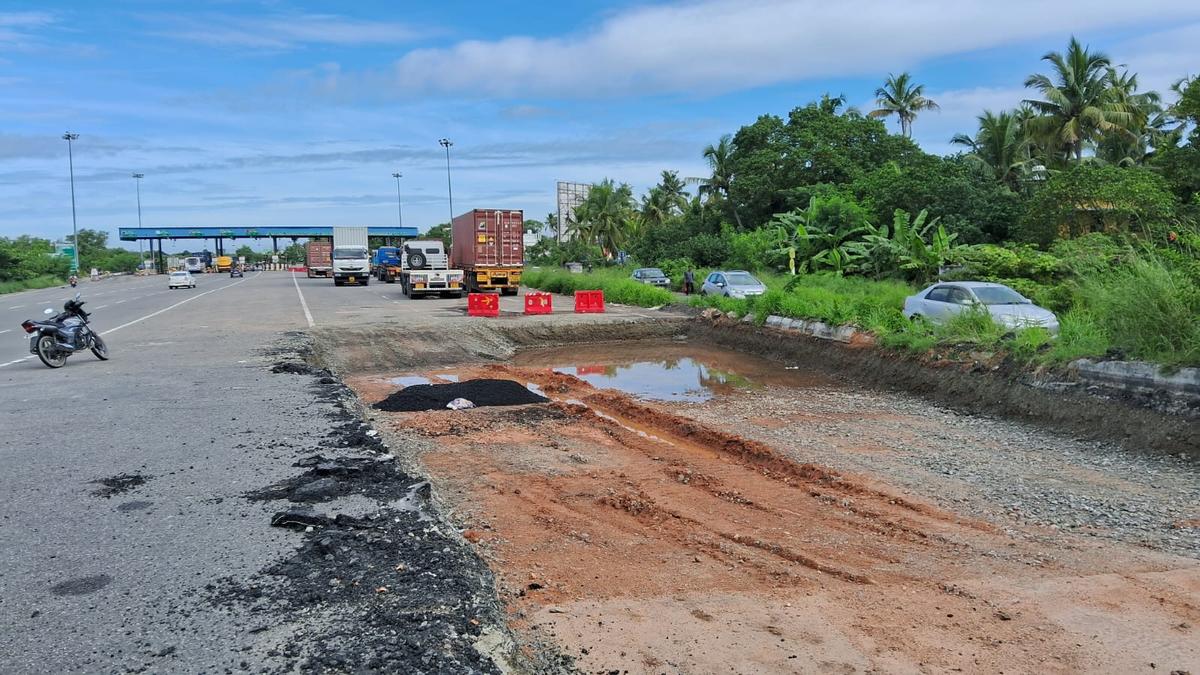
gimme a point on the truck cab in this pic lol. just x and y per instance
(425, 270)
(385, 265)
(351, 259)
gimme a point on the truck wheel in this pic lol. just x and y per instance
(337, 281)
(416, 260)
(366, 281)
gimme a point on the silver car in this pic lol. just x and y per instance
(651, 276)
(732, 284)
(1007, 307)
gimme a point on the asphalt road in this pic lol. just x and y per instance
(117, 583)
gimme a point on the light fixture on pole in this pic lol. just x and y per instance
(137, 177)
(446, 143)
(69, 137)
(399, 211)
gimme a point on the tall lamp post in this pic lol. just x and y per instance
(69, 137)
(137, 177)
(446, 143)
(399, 211)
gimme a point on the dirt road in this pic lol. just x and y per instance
(726, 526)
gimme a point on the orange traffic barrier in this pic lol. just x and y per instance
(589, 302)
(538, 303)
(483, 304)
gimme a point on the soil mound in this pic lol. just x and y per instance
(483, 392)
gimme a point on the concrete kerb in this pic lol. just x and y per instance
(817, 329)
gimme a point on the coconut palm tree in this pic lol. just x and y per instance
(1079, 103)
(1150, 126)
(720, 162)
(899, 96)
(606, 216)
(1000, 147)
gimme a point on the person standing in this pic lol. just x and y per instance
(689, 282)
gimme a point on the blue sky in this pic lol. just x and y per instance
(277, 112)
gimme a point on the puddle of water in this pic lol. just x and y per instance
(410, 380)
(535, 388)
(449, 377)
(677, 379)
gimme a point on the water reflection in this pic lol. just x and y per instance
(678, 379)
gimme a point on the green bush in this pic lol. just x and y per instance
(27, 284)
(615, 282)
(1146, 310)
(1079, 336)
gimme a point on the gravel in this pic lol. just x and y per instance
(998, 469)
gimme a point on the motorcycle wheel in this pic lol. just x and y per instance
(99, 348)
(49, 353)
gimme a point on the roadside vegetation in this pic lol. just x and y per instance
(1084, 197)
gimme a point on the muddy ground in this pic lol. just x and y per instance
(790, 515)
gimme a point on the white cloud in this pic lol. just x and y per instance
(16, 28)
(279, 32)
(726, 45)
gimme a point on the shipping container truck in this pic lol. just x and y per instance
(318, 255)
(488, 245)
(425, 270)
(385, 265)
(351, 258)
(224, 263)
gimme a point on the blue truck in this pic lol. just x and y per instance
(385, 265)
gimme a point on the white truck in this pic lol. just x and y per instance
(425, 270)
(351, 259)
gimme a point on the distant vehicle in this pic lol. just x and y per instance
(385, 265)
(318, 256)
(181, 279)
(425, 270)
(488, 245)
(193, 264)
(236, 271)
(732, 284)
(351, 260)
(224, 263)
(941, 301)
(651, 276)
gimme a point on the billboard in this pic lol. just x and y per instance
(570, 195)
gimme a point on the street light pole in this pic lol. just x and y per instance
(399, 210)
(137, 177)
(69, 137)
(446, 143)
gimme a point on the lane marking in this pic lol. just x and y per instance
(181, 302)
(17, 361)
(303, 304)
(16, 307)
(6, 330)
(102, 306)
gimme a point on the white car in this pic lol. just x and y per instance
(181, 279)
(1007, 307)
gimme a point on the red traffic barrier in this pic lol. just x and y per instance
(483, 304)
(589, 302)
(538, 303)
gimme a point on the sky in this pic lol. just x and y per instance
(298, 113)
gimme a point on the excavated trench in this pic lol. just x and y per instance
(698, 498)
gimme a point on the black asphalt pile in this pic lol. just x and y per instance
(483, 392)
(376, 477)
(397, 595)
(297, 368)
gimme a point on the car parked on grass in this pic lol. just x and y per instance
(651, 276)
(736, 284)
(941, 301)
(181, 279)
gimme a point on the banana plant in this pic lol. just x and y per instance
(923, 259)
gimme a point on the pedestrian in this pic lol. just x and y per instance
(689, 282)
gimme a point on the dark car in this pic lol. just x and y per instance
(651, 276)
(235, 271)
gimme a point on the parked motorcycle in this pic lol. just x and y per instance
(63, 334)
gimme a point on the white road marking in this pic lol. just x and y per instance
(303, 304)
(16, 307)
(181, 302)
(120, 301)
(6, 330)
(17, 361)
(101, 307)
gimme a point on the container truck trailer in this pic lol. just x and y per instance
(318, 255)
(488, 245)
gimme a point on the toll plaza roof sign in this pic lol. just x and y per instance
(258, 232)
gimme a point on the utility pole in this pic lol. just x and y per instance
(137, 177)
(69, 137)
(446, 143)
(399, 211)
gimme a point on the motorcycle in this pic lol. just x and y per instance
(65, 333)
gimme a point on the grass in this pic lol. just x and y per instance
(45, 281)
(615, 283)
